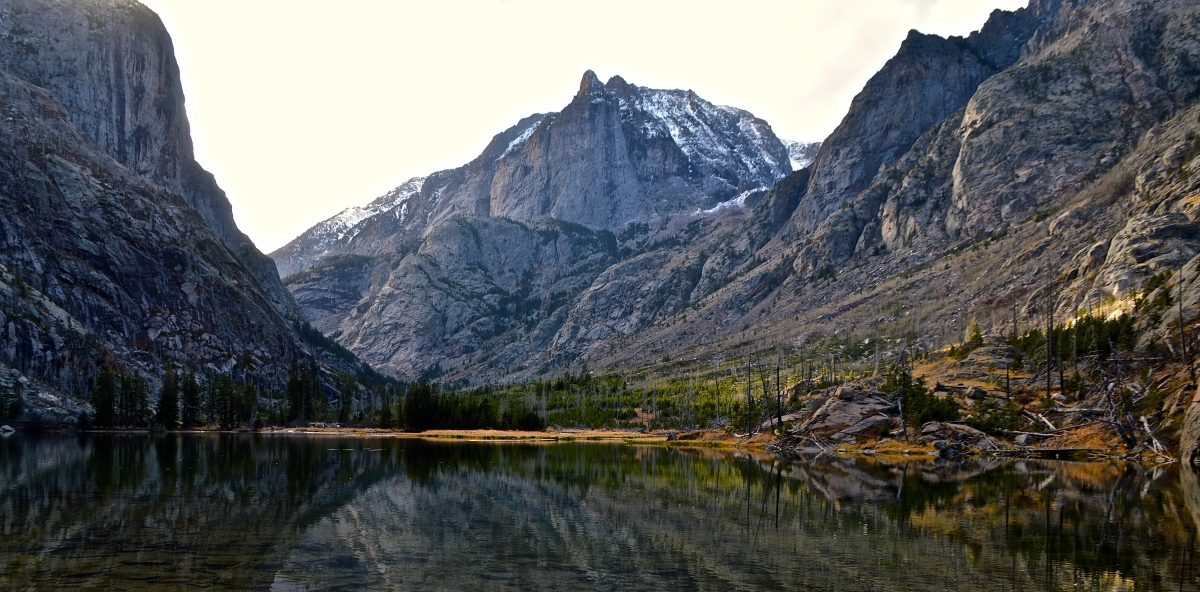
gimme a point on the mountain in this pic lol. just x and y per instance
(617, 154)
(120, 251)
(112, 65)
(802, 154)
(1044, 158)
(1055, 175)
(475, 268)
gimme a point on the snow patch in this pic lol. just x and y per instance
(708, 134)
(737, 202)
(520, 139)
(346, 224)
(802, 154)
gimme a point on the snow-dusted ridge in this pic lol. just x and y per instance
(345, 223)
(728, 153)
(737, 202)
(520, 139)
(704, 131)
(802, 154)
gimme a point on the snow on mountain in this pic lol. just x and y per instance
(310, 247)
(520, 139)
(531, 171)
(802, 154)
(343, 224)
(708, 132)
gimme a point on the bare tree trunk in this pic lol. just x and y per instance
(1183, 348)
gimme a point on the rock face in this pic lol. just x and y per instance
(118, 249)
(928, 79)
(112, 65)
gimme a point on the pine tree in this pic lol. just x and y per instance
(104, 398)
(167, 414)
(223, 406)
(295, 393)
(139, 401)
(247, 404)
(125, 400)
(385, 412)
(191, 401)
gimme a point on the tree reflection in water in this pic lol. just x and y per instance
(227, 511)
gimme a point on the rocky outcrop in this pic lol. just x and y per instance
(478, 292)
(100, 266)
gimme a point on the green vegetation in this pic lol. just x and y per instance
(121, 400)
(995, 418)
(167, 414)
(426, 408)
(974, 341)
(918, 405)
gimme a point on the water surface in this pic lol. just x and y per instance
(293, 512)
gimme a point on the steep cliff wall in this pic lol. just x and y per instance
(112, 65)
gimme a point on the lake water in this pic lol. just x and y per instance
(295, 512)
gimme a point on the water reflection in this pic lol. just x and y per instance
(298, 512)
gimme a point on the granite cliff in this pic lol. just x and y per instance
(120, 251)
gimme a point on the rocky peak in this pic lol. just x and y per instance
(590, 86)
(617, 153)
(929, 78)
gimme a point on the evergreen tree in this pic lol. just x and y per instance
(211, 415)
(224, 406)
(385, 412)
(247, 404)
(104, 399)
(191, 401)
(168, 401)
(344, 408)
(420, 408)
(308, 411)
(139, 401)
(125, 400)
(295, 393)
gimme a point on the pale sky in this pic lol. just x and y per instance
(302, 108)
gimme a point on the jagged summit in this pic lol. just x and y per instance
(617, 153)
(590, 84)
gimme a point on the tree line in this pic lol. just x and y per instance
(122, 400)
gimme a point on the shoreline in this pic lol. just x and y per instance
(703, 439)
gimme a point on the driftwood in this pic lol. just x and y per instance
(1035, 434)
(1158, 446)
(1037, 417)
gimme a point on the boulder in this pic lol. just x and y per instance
(869, 427)
(958, 435)
(845, 417)
(846, 393)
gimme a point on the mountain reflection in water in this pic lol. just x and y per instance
(293, 512)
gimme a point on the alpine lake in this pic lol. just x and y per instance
(213, 511)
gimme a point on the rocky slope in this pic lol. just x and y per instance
(119, 250)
